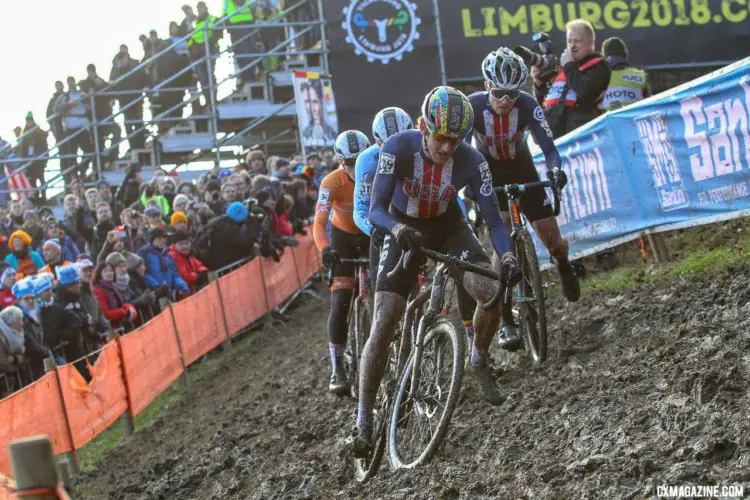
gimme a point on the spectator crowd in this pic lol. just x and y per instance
(77, 108)
(68, 284)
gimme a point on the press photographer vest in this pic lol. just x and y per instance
(625, 87)
(560, 92)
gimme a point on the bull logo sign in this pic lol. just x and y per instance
(381, 29)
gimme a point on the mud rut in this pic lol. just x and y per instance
(651, 388)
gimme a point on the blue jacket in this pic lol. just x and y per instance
(35, 258)
(160, 269)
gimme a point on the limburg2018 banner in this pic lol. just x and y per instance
(657, 32)
(382, 53)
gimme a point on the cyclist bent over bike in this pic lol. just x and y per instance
(419, 172)
(501, 116)
(347, 241)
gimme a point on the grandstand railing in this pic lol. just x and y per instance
(295, 31)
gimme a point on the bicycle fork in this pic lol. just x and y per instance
(436, 299)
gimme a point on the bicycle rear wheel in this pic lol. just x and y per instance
(532, 311)
(420, 421)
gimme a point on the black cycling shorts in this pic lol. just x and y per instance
(535, 204)
(449, 233)
(348, 246)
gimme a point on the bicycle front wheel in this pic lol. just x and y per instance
(419, 421)
(532, 313)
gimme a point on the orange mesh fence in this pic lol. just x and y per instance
(281, 278)
(243, 296)
(35, 409)
(200, 324)
(94, 406)
(308, 262)
(152, 360)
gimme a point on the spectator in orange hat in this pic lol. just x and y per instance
(25, 261)
(179, 221)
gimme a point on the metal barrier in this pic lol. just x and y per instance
(296, 31)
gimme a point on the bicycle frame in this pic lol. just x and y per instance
(514, 193)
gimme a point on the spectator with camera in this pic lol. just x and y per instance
(571, 98)
(145, 300)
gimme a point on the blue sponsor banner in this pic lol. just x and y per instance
(678, 159)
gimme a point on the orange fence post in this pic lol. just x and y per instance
(128, 420)
(184, 376)
(51, 366)
(228, 342)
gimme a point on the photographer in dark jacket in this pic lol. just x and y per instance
(571, 98)
(129, 191)
(225, 239)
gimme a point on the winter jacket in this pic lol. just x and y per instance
(111, 302)
(136, 81)
(190, 269)
(91, 307)
(160, 269)
(101, 102)
(59, 324)
(282, 226)
(75, 116)
(137, 296)
(223, 242)
(36, 262)
(7, 298)
(36, 349)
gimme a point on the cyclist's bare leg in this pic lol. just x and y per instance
(389, 307)
(485, 322)
(549, 232)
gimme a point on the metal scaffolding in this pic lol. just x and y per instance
(304, 40)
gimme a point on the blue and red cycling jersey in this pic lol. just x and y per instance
(410, 182)
(500, 138)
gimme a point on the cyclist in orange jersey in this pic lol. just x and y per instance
(336, 195)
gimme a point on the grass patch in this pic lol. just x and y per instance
(695, 265)
(91, 453)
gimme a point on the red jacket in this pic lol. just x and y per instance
(188, 267)
(6, 298)
(115, 314)
(282, 226)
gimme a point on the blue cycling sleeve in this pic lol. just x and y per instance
(543, 137)
(481, 185)
(363, 178)
(383, 187)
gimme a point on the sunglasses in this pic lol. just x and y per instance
(501, 94)
(442, 139)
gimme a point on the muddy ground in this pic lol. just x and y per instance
(651, 389)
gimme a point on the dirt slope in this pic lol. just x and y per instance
(652, 388)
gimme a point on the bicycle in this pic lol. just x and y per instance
(359, 320)
(430, 347)
(530, 292)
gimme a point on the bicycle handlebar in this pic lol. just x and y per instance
(517, 189)
(451, 261)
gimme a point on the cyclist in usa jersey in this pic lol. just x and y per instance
(388, 122)
(419, 173)
(502, 114)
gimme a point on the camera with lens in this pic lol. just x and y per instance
(547, 62)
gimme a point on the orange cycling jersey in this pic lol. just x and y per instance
(337, 193)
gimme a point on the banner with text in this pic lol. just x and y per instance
(679, 159)
(687, 31)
